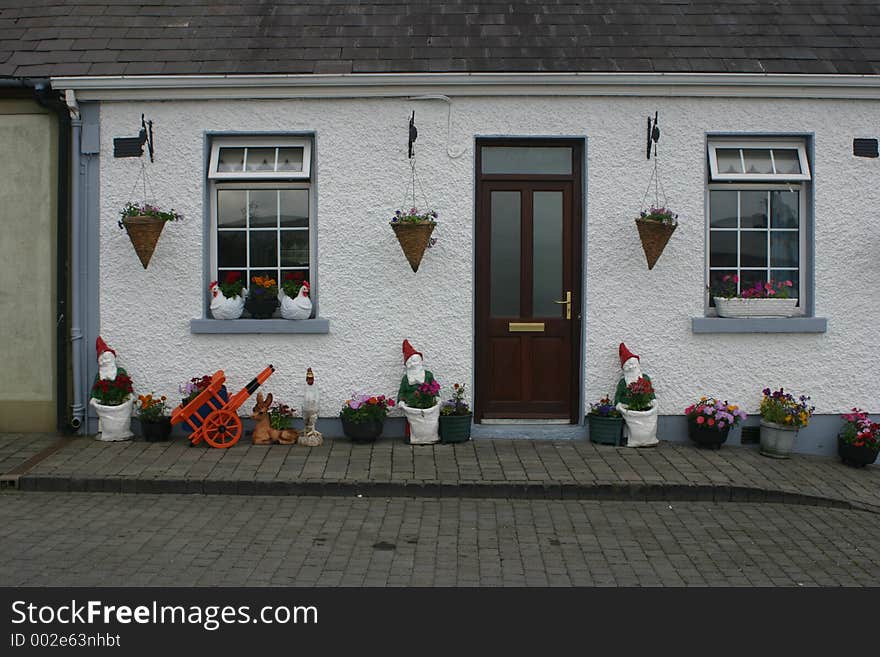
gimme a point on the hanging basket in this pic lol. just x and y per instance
(654, 236)
(414, 239)
(144, 231)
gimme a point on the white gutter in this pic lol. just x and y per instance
(197, 87)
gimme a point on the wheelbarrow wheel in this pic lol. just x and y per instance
(222, 429)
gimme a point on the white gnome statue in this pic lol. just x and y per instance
(111, 396)
(417, 397)
(310, 437)
(636, 402)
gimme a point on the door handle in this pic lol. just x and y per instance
(567, 302)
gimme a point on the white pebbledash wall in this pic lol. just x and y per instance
(373, 300)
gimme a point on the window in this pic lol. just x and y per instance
(261, 208)
(757, 211)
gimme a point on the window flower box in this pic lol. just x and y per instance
(736, 307)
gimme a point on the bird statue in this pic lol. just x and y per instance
(298, 307)
(310, 436)
(223, 307)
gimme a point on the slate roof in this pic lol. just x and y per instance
(137, 37)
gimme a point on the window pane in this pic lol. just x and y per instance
(547, 255)
(263, 206)
(784, 209)
(716, 282)
(290, 159)
(230, 159)
(722, 209)
(787, 160)
(294, 208)
(757, 160)
(526, 159)
(753, 245)
(748, 279)
(722, 248)
(231, 208)
(753, 209)
(294, 248)
(265, 273)
(264, 248)
(504, 257)
(231, 248)
(788, 275)
(783, 249)
(728, 160)
(260, 159)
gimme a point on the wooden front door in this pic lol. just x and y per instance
(528, 308)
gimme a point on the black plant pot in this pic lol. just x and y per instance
(362, 432)
(857, 457)
(156, 431)
(706, 436)
(261, 306)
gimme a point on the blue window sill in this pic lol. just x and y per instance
(259, 326)
(759, 325)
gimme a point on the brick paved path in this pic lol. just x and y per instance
(95, 539)
(479, 468)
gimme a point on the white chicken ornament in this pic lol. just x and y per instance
(223, 307)
(310, 436)
(298, 307)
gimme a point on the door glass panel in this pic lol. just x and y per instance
(526, 159)
(504, 257)
(263, 206)
(547, 255)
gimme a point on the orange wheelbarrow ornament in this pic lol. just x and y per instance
(221, 427)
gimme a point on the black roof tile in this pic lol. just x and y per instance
(109, 37)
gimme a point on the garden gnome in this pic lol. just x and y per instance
(310, 437)
(422, 424)
(107, 368)
(114, 422)
(640, 427)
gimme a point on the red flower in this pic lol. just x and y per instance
(232, 277)
(700, 419)
(390, 401)
(711, 422)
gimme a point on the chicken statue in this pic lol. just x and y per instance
(310, 436)
(223, 307)
(298, 307)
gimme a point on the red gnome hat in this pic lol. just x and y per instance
(101, 347)
(409, 351)
(626, 354)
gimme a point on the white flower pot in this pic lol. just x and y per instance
(755, 307)
(640, 427)
(424, 424)
(114, 422)
(777, 440)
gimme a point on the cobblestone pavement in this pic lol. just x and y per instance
(99, 539)
(479, 468)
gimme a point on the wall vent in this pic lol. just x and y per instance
(750, 435)
(865, 148)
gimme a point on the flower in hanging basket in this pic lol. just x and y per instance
(147, 210)
(144, 224)
(656, 226)
(415, 216)
(413, 229)
(660, 215)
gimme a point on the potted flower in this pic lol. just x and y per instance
(782, 415)
(422, 412)
(413, 229)
(262, 298)
(111, 399)
(227, 296)
(455, 417)
(859, 440)
(363, 416)
(605, 422)
(710, 420)
(770, 299)
(192, 389)
(144, 224)
(656, 226)
(294, 296)
(638, 406)
(151, 411)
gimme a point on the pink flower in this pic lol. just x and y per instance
(700, 419)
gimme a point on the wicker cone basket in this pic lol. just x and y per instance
(144, 231)
(414, 239)
(654, 236)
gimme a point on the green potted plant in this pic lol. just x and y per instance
(111, 399)
(605, 422)
(363, 416)
(710, 421)
(656, 226)
(262, 298)
(782, 415)
(413, 229)
(144, 224)
(155, 423)
(763, 299)
(455, 417)
(859, 441)
(227, 296)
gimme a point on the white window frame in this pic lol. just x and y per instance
(767, 145)
(259, 142)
